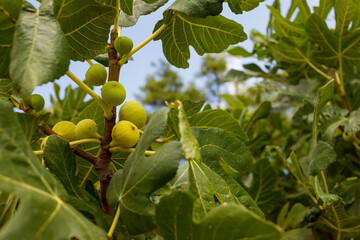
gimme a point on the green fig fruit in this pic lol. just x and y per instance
(123, 45)
(43, 142)
(348, 137)
(87, 128)
(37, 102)
(134, 112)
(65, 129)
(96, 75)
(124, 134)
(113, 93)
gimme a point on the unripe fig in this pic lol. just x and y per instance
(123, 45)
(113, 93)
(43, 142)
(65, 129)
(86, 128)
(124, 134)
(96, 75)
(348, 137)
(134, 112)
(37, 102)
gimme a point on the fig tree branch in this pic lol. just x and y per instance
(339, 85)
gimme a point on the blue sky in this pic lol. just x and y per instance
(134, 73)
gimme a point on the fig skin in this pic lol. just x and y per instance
(37, 102)
(66, 129)
(124, 134)
(96, 75)
(87, 128)
(113, 93)
(348, 137)
(134, 112)
(123, 45)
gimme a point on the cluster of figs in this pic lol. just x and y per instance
(132, 115)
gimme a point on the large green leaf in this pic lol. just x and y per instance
(174, 220)
(141, 175)
(42, 212)
(140, 8)
(324, 8)
(86, 26)
(40, 52)
(9, 13)
(227, 156)
(219, 119)
(238, 6)
(212, 34)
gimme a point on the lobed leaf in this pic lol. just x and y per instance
(210, 34)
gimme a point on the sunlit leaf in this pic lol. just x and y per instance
(211, 34)
(40, 52)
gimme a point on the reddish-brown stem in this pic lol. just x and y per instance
(104, 158)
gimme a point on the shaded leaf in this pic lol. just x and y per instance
(40, 52)
(32, 126)
(261, 112)
(263, 189)
(6, 88)
(228, 221)
(9, 13)
(336, 218)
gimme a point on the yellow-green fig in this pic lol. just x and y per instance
(124, 134)
(96, 75)
(65, 129)
(134, 112)
(123, 45)
(348, 137)
(37, 102)
(43, 142)
(87, 128)
(113, 93)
